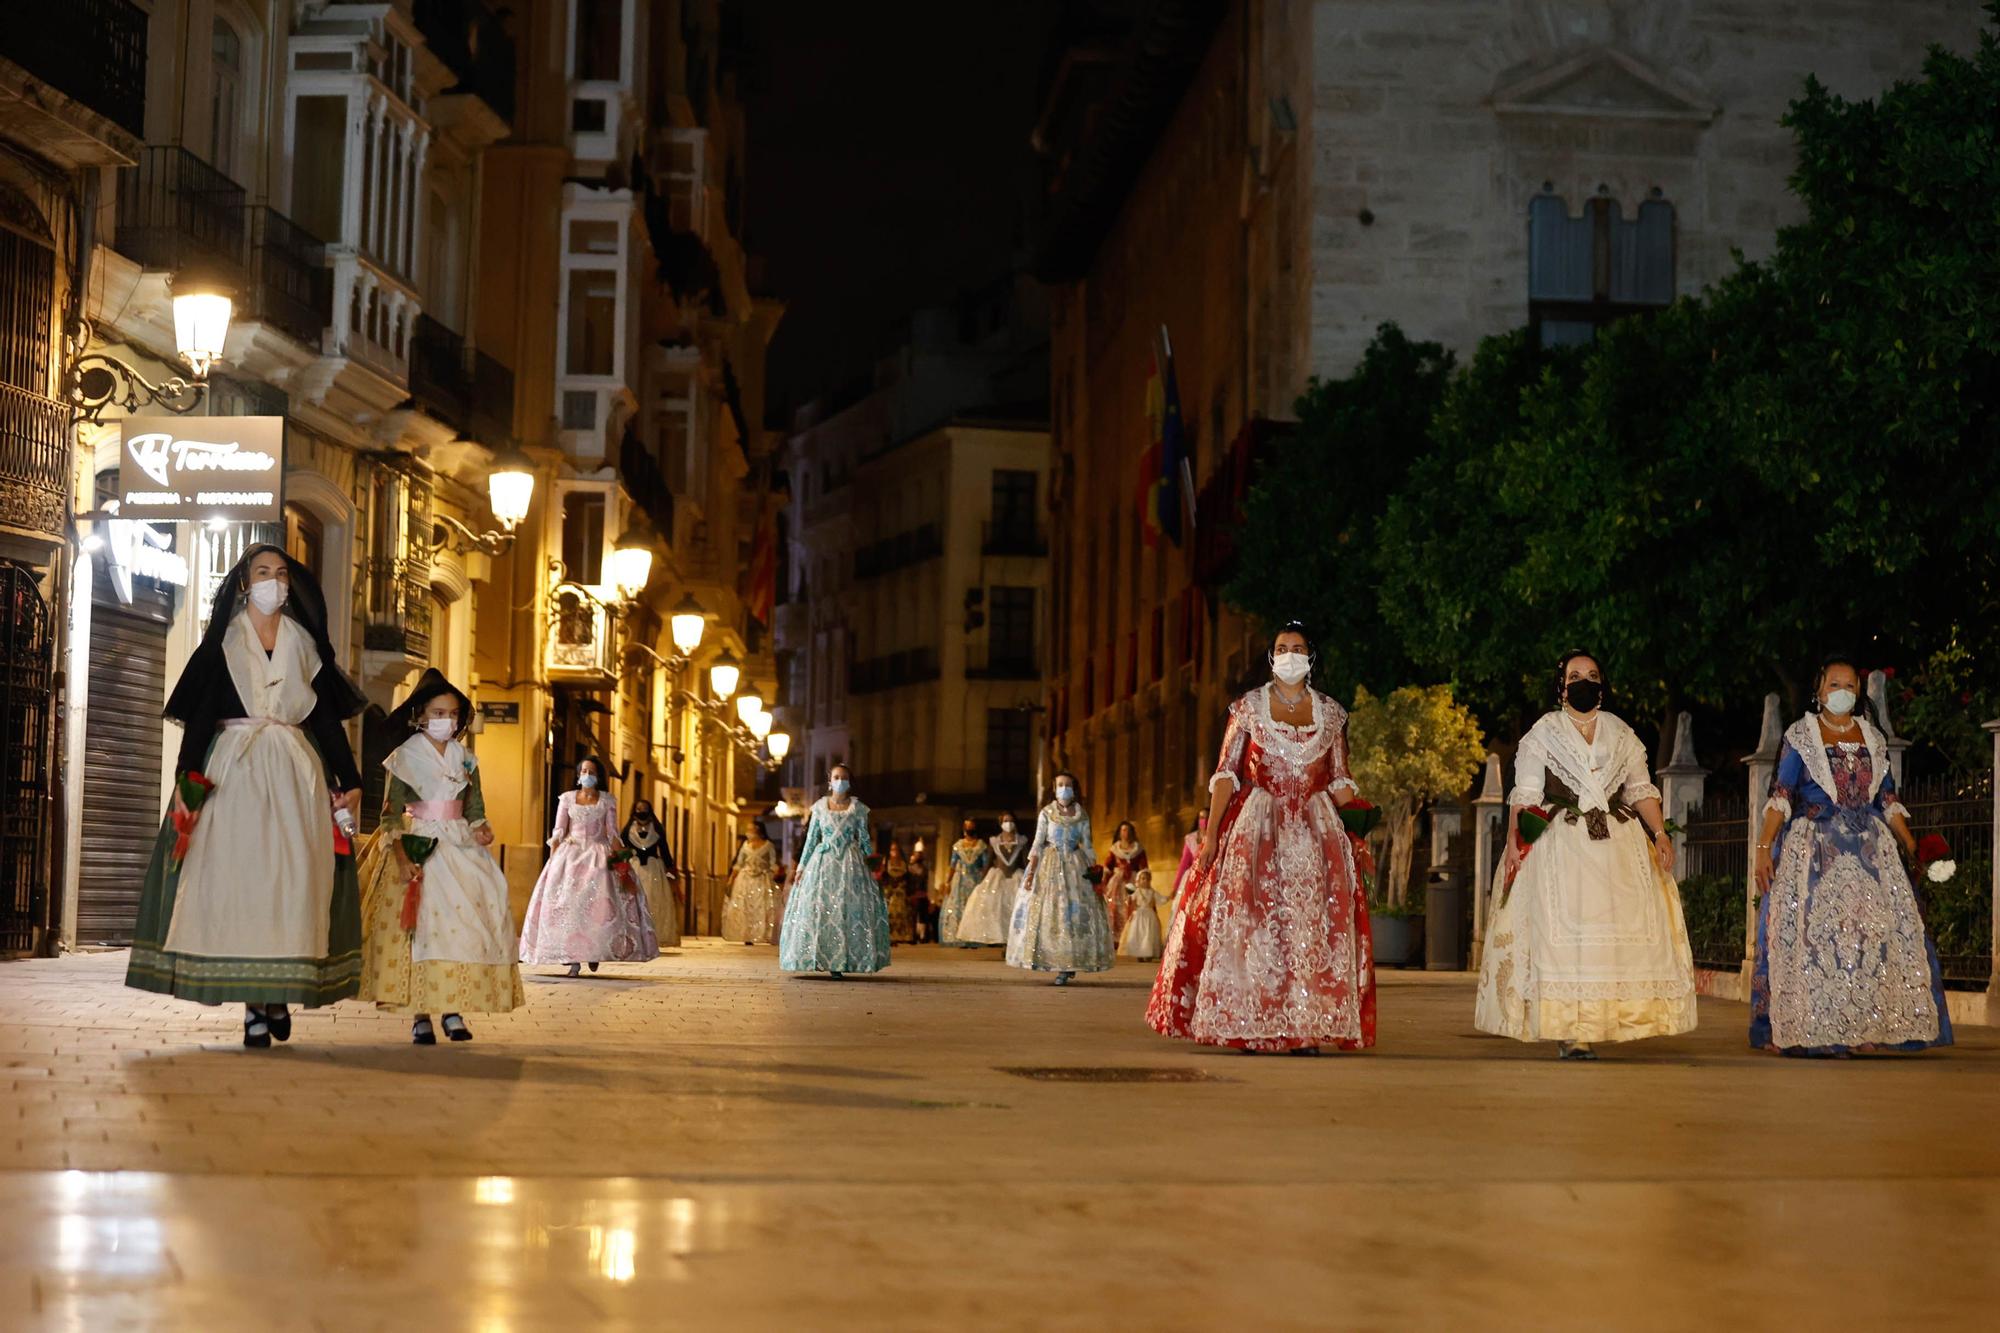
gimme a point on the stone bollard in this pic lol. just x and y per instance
(1683, 783)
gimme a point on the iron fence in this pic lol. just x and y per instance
(1959, 912)
(290, 284)
(1712, 889)
(34, 457)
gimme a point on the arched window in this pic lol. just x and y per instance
(27, 293)
(225, 122)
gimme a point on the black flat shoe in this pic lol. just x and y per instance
(593, 967)
(421, 1034)
(256, 1030)
(1062, 978)
(455, 1028)
(838, 976)
(575, 970)
(279, 1020)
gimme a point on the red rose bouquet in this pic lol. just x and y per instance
(1360, 818)
(620, 865)
(193, 788)
(1934, 856)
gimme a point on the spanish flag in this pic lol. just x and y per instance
(1164, 472)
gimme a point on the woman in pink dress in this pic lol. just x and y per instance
(581, 911)
(1270, 950)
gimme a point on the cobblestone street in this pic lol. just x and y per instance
(702, 1142)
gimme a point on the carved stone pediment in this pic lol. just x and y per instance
(1603, 84)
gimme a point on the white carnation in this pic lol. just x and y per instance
(1940, 871)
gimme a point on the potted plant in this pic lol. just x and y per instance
(1409, 748)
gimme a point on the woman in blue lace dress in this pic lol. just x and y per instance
(1060, 924)
(835, 918)
(1843, 961)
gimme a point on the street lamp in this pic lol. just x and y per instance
(95, 381)
(510, 486)
(748, 705)
(760, 724)
(632, 563)
(688, 622)
(723, 675)
(779, 744)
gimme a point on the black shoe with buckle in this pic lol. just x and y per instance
(455, 1028)
(421, 1033)
(279, 1018)
(256, 1029)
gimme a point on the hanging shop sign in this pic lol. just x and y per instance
(227, 468)
(140, 549)
(505, 713)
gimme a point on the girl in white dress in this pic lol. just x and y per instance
(1141, 939)
(457, 956)
(750, 913)
(1588, 944)
(992, 902)
(583, 912)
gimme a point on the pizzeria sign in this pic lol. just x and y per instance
(229, 468)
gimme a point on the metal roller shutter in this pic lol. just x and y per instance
(121, 764)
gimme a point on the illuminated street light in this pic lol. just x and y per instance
(510, 486)
(632, 563)
(759, 724)
(748, 705)
(779, 744)
(723, 675)
(688, 622)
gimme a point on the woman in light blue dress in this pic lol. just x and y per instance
(1060, 924)
(835, 919)
(969, 858)
(1843, 961)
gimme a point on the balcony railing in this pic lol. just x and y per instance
(34, 459)
(913, 666)
(92, 50)
(289, 283)
(579, 642)
(1006, 663)
(175, 209)
(439, 380)
(1013, 539)
(646, 484)
(899, 552)
(492, 402)
(398, 608)
(469, 38)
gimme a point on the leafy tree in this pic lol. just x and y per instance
(1407, 749)
(1307, 546)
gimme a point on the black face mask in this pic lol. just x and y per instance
(1585, 695)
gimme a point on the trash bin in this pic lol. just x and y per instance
(1445, 904)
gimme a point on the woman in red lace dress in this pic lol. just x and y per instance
(1271, 950)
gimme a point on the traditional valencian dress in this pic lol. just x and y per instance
(653, 865)
(750, 914)
(1121, 863)
(1190, 853)
(581, 912)
(895, 888)
(1270, 949)
(459, 959)
(261, 911)
(1141, 937)
(1843, 960)
(835, 918)
(1059, 921)
(969, 859)
(984, 920)
(1589, 944)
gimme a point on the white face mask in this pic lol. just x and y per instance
(267, 595)
(441, 728)
(1291, 668)
(1006, 826)
(1841, 702)
(1065, 794)
(586, 780)
(838, 786)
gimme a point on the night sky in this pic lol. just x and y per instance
(887, 165)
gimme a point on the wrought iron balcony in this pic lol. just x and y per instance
(580, 637)
(34, 460)
(646, 484)
(492, 421)
(398, 608)
(289, 283)
(469, 38)
(1013, 538)
(174, 210)
(439, 379)
(93, 51)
